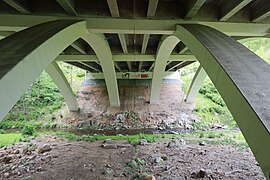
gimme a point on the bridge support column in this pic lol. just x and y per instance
(25, 54)
(196, 84)
(61, 82)
(165, 48)
(101, 47)
(242, 79)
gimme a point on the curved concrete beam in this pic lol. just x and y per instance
(101, 47)
(24, 55)
(61, 82)
(195, 85)
(242, 79)
(165, 48)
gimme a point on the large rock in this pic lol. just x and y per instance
(176, 143)
(44, 148)
(120, 117)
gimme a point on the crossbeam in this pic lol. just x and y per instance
(123, 57)
(134, 26)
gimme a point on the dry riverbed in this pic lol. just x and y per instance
(51, 157)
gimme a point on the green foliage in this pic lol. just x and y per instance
(131, 139)
(210, 92)
(261, 47)
(8, 139)
(28, 130)
(132, 115)
(210, 107)
(2, 131)
(19, 124)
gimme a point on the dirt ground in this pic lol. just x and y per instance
(94, 104)
(85, 160)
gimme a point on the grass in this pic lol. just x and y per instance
(34, 124)
(210, 137)
(8, 139)
(131, 139)
(209, 106)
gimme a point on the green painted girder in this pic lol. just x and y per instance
(124, 57)
(242, 79)
(134, 26)
(24, 55)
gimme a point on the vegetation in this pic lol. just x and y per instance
(41, 101)
(7, 139)
(210, 106)
(226, 137)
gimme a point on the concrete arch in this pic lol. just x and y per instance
(241, 77)
(195, 85)
(61, 82)
(24, 55)
(165, 48)
(101, 47)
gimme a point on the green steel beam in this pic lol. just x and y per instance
(134, 75)
(113, 8)
(39, 46)
(79, 47)
(123, 42)
(183, 50)
(260, 11)
(145, 43)
(245, 92)
(124, 57)
(68, 6)
(152, 8)
(193, 6)
(134, 26)
(18, 6)
(230, 8)
(178, 64)
(91, 67)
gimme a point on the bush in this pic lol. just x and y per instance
(28, 130)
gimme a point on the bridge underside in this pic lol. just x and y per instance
(150, 47)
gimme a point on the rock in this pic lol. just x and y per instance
(83, 124)
(28, 178)
(201, 174)
(17, 151)
(7, 159)
(26, 151)
(107, 141)
(123, 145)
(120, 117)
(44, 148)
(217, 126)
(143, 142)
(6, 175)
(175, 143)
(164, 158)
(145, 176)
(173, 132)
(39, 169)
(202, 143)
(109, 146)
(132, 164)
(158, 160)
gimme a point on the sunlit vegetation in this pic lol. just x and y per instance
(210, 106)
